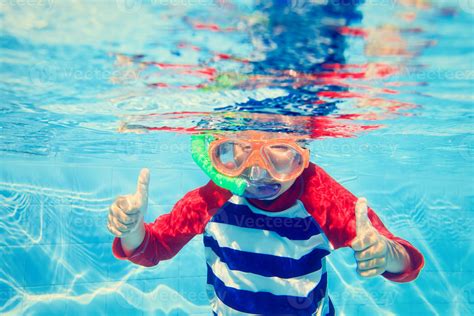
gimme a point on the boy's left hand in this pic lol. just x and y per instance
(374, 253)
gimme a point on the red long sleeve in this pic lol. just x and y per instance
(333, 206)
(325, 199)
(170, 232)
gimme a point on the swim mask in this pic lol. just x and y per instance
(282, 158)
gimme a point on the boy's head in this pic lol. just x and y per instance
(268, 162)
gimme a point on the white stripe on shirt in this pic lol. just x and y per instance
(297, 286)
(269, 242)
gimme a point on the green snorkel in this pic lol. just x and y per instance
(201, 158)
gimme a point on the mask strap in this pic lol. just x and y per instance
(199, 146)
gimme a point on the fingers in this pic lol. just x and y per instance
(126, 204)
(123, 203)
(113, 230)
(118, 228)
(372, 264)
(117, 225)
(122, 219)
(365, 241)
(371, 273)
(142, 184)
(379, 249)
(372, 267)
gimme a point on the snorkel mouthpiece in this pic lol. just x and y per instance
(201, 158)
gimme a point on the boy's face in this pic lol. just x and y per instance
(261, 185)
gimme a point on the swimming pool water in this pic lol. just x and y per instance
(81, 81)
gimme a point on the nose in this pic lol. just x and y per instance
(257, 173)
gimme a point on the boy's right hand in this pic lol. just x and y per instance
(127, 212)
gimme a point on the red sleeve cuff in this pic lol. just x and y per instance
(138, 256)
(416, 264)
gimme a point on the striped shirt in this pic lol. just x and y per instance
(261, 262)
(255, 256)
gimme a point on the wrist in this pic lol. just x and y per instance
(133, 240)
(397, 257)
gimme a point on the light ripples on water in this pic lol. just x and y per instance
(91, 92)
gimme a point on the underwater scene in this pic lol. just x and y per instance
(91, 92)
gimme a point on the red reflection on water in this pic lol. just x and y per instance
(212, 27)
(365, 87)
(312, 127)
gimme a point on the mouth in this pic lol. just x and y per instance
(262, 189)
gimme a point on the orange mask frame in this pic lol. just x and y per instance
(258, 156)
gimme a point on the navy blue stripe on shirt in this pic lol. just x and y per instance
(267, 265)
(296, 228)
(331, 311)
(266, 303)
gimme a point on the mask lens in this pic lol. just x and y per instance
(284, 159)
(231, 155)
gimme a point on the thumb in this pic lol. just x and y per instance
(142, 185)
(363, 223)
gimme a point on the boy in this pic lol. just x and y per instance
(266, 247)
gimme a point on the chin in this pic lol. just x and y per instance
(270, 197)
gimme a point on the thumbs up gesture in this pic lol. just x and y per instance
(375, 253)
(370, 247)
(127, 212)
